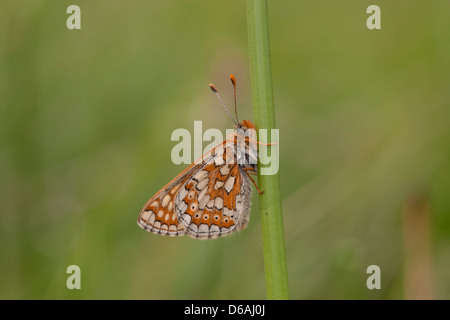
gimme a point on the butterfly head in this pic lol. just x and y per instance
(244, 126)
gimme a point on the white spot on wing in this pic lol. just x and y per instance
(183, 192)
(186, 218)
(228, 212)
(218, 185)
(202, 174)
(193, 228)
(202, 184)
(218, 160)
(224, 170)
(154, 204)
(145, 215)
(172, 229)
(203, 202)
(218, 203)
(174, 189)
(152, 219)
(202, 195)
(165, 201)
(214, 230)
(203, 230)
(164, 229)
(180, 207)
(229, 184)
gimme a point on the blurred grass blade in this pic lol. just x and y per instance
(264, 116)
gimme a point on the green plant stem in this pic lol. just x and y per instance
(264, 116)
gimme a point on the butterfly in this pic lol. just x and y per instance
(212, 197)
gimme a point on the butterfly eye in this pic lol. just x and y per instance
(193, 206)
(216, 217)
(205, 217)
(191, 195)
(197, 215)
(225, 220)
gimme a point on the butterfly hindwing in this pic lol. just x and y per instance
(215, 201)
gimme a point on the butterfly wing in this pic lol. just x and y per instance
(215, 200)
(158, 214)
(210, 199)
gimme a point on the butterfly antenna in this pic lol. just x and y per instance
(233, 81)
(214, 89)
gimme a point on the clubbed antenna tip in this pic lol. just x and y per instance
(213, 87)
(233, 79)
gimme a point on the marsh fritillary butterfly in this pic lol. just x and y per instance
(212, 197)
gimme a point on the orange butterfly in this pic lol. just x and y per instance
(212, 197)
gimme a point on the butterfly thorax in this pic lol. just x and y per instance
(245, 145)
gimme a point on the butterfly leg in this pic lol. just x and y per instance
(268, 144)
(248, 174)
(263, 144)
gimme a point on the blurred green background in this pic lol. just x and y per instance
(87, 116)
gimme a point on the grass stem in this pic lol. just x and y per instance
(264, 116)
